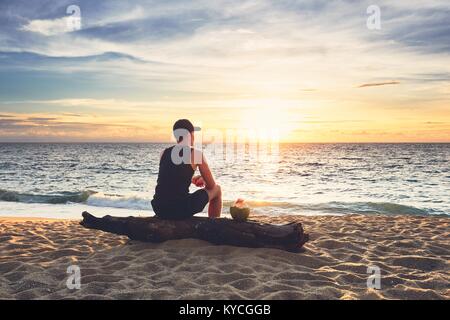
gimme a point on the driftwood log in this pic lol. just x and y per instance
(220, 231)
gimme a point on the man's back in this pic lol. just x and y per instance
(173, 179)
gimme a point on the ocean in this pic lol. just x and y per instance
(58, 180)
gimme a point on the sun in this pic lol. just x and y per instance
(265, 124)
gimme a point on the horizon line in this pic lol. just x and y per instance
(282, 142)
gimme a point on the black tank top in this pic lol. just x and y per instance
(173, 179)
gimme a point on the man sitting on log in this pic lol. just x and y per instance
(177, 166)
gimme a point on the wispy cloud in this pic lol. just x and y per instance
(64, 24)
(377, 84)
(48, 27)
(39, 128)
(41, 119)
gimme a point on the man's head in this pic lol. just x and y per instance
(184, 129)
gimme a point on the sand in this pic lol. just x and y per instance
(412, 253)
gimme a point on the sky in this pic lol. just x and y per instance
(311, 71)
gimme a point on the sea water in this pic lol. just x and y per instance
(59, 180)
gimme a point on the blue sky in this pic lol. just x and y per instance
(314, 66)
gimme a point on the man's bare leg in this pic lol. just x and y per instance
(215, 201)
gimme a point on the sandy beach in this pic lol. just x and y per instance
(412, 253)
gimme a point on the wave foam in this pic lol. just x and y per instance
(118, 201)
(136, 202)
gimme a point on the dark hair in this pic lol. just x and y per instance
(184, 124)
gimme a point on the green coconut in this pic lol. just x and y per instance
(240, 213)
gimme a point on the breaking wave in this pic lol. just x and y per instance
(52, 198)
(136, 202)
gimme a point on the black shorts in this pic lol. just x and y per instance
(181, 208)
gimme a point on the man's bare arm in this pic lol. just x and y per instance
(206, 173)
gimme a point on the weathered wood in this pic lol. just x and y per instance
(220, 231)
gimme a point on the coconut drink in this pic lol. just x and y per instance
(240, 211)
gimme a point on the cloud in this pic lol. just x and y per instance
(43, 119)
(438, 124)
(332, 121)
(39, 128)
(72, 21)
(376, 84)
(106, 104)
(430, 77)
(49, 27)
(69, 114)
(425, 30)
(5, 122)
